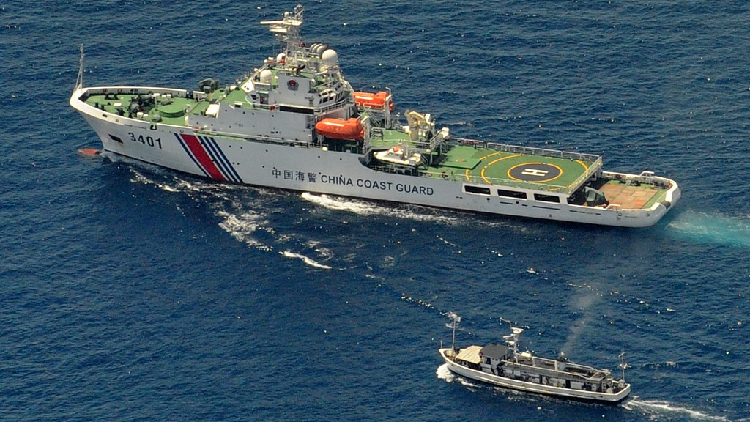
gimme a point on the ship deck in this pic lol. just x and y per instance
(169, 110)
(523, 169)
(632, 197)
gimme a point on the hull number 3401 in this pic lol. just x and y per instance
(146, 140)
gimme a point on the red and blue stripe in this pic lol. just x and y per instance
(208, 156)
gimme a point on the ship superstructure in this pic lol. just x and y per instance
(296, 123)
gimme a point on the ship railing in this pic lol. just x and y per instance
(136, 90)
(517, 149)
(327, 108)
(590, 170)
(368, 129)
(646, 177)
(437, 141)
(424, 146)
(264, 139)
(277, 106)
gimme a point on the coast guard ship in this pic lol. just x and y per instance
(295, 123)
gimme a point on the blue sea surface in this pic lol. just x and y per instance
(134, 293)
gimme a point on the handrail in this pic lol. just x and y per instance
(517, 149)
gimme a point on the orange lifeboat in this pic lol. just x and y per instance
(368, 99)
(340, 128)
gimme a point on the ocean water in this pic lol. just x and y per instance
(129, 292)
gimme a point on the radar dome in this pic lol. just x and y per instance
(330, 58)
(265, 76)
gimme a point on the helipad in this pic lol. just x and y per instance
(517, 166)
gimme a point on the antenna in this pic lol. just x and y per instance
(287, 30)
(512, 339)
(455, 319)
(622, 365)
(79, 80)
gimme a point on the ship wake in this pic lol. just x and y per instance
(241, 215)
(243, 227)
(657, 410)
(712, 229)
(306, 260)
(366, 208)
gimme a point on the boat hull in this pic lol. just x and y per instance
(530, 387)
(299, 167)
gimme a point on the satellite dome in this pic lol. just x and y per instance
(330, 58)
(265, 76)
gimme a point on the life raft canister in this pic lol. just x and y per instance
(368, 99)
(340, 128)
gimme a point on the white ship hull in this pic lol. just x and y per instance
(304, 168)
(534, 387)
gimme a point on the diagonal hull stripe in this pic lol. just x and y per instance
(190, 154)
(199, 154)
(223, 158)
(218, 157)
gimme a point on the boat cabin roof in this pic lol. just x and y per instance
(496, 351)
(470, 354)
